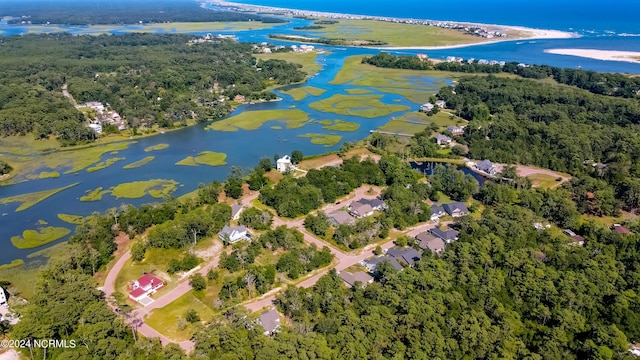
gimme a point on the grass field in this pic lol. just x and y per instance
(28, 200)
(323, 139)
(340, 125)
(301, 93)
(139, 163)
(32, 238)
(307, 60)
(543, 181)
(71, 219)
(165, 320)
(156, 147)
(394, 34)
(252, 120)
(368, 106)
(104, 164)
(204, 158)
(415, 122)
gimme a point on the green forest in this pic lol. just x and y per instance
(120, 12)
(148, 79)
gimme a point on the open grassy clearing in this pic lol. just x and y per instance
(323, 139)
(139, 163)
(368, 106)
(166, 320)
(156, 147)
(252, 120)
(339, 125)
(543, 181)
(415, 122)
(104, 164)
(71, 219)
(156, 261)
(394, 34)
(28, 200)
(33, 238)
(307, 60)
(157, 188)
(301, 93)
(205, 158)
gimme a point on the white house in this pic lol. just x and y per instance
(3, 296)
(143, 287)
(236, 210)
(443, 140)
(284, 164)
(233, 233)
(426, 107)
(455, 130)
(97, 128)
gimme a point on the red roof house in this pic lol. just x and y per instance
(145, 286)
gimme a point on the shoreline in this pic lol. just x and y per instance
(532, 33)
(604, 55)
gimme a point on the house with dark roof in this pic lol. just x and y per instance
(236, 210)
(487, 166)
(373, 263)
(577, 239)
(407, 255)
(437, 212)
(427, 240)
(357, 277)
(270, 321)
(448, 235)
(340, 217)
(456, 209)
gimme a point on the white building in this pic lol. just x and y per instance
(97, 128)
(233, 233)
(284, 164)
(3, 297)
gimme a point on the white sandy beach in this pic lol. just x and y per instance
(607, 55)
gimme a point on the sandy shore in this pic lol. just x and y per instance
(608, 55)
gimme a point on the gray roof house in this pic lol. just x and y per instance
(270, 321)
(442, 140)
(233, 233)
(455, 130)
(437, 212)
(406, 255)
(456, 209)
(428, 241)
(372, 264)
(236, 210)
(487, 167)
(449, 235)
(340, 217)
(360, 210)
(359, 276)
(376, 204)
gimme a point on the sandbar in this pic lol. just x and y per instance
(607, 55)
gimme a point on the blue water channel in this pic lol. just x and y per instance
(244, 148)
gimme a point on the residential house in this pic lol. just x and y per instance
(426, 107)
(340, 217)
(360, 210)
(541, 226)
(238, 98)
(97, 128)
(441, 104)
(143, 287)
(448, 235)
(359, 276)
(443, 140)
(622, 230)
(284, 164)
(487, 166)
(577, 239)
(450, 59)
(376, 204)
(233, 234)
(3, 296)
(483, 62)
(270, 321)
(372, 264)
(407, 255)
(236, 210)
(456, 209)
(422, 56)
(437, 212)
(426, 241)
(455, 130)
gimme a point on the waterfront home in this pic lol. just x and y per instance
(448, 235)
(427, 240)
(340, 217)
(437, 212)
(426, 107)
(357, 277)
(239, 98)
(443, 140)
(233, 234)
(143, 287)
(360, 210)
(487, 166)
(456, 209)
(441, 104)
(455, 130)
(97, 128)
(270, 321)
(284, 164)
(236, 210)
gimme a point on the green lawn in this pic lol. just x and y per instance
(141, 162)
(166, 320)
(28, 200)
(368, 106)
(301, 93)
(323, 139)
(395, 34)
(543, 181)
(204, 158)
(35, 238)
(156, 261)
(252, 120)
